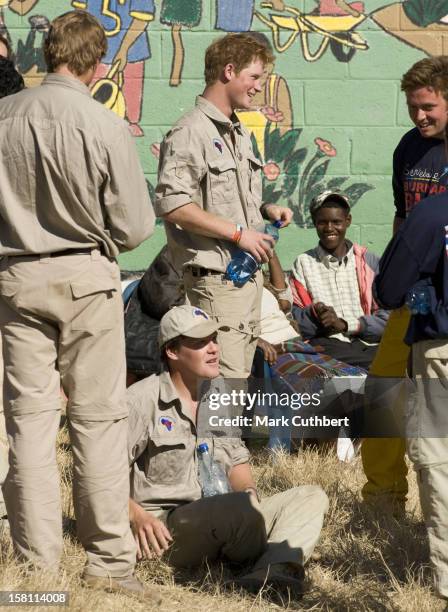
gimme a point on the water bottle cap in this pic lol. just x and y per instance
(277, 223)
(203, 448)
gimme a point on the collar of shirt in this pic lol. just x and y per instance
(330, 260)
(215, 114)
(168, 395)
(65, 81)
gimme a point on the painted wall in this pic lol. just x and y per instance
(330, 113)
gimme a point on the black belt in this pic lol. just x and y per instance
(65, 252)
(195, 271)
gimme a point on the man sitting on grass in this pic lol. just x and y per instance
(167, 509)
(332, 287)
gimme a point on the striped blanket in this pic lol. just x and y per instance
(303, 365)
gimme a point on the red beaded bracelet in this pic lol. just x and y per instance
(238, 233)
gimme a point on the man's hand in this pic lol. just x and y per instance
(278, 213)
(269, 351)
(258, 244)
(151, 534)
(329, 319)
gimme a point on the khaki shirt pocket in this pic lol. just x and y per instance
(255, 178)
(168, 460)
(8, 289)
(95, 305)
(222, 180)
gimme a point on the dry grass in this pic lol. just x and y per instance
(366, 561)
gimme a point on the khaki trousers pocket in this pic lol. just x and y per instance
(94, 305)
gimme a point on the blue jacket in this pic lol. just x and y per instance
(418, 255)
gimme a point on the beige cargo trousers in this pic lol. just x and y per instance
(61, 320)
(427, 418)
(237, 310)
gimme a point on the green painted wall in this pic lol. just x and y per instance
(333, 102)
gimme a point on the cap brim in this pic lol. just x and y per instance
(207, 328)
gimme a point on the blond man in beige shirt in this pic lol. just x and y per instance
(210, 195)
(72, 196)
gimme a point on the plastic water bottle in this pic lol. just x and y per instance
(243, 265)
(271, 229)
(418, 300)
(212, 476)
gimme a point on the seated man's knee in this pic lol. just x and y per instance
(314, 495)
(319, 496)
(243, 510)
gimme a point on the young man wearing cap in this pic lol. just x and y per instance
(332, 287)
(169, 418)
(209, 195)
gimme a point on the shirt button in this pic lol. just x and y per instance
(241, 327)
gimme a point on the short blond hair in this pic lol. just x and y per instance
(429, 72)
(237, 49)
(77, 39)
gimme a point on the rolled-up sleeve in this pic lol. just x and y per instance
(129, 213)
(239, 453)
(181, 169)
(230, 452)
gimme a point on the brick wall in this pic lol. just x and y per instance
(332, 107)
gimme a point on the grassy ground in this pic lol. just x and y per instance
(364, 561)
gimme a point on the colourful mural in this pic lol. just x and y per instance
(334, 23)
(423, 24)
(29, 56)
(295, 174)
(178, 15)
(20, 7)
(118, 81)
(329, 112)
(234, 15)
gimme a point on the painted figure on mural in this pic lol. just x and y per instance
(272, 103)
(423, 24)
(340, 7)
(177, 15)
(21, 7)
(30, 59)
(118, 82)
(236, 15)
(331, 24)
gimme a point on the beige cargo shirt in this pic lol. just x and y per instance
(162, 446)
(70, 176)
(199, 163)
